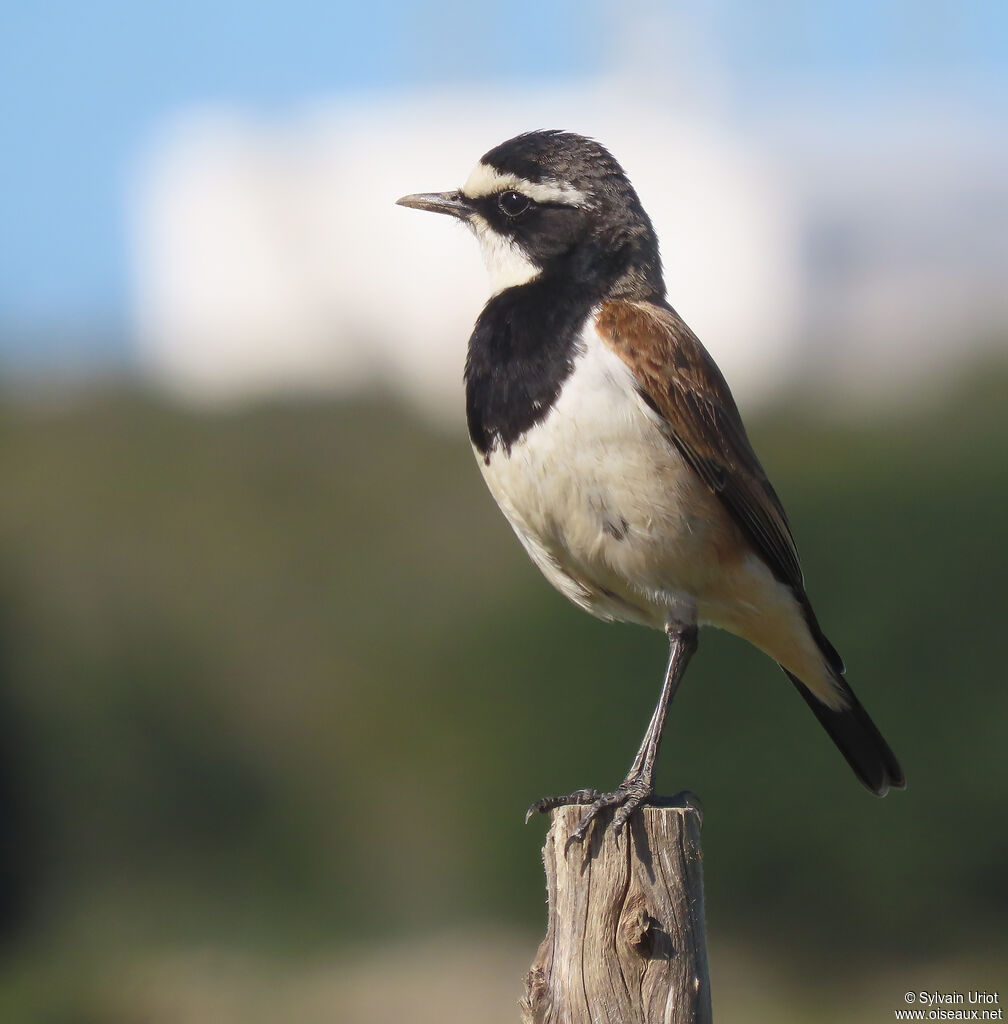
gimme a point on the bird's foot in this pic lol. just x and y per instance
(631, 793)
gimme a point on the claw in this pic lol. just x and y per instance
(622, 816)
(547, 803)
(628, 796)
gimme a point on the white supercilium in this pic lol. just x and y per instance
(486, 180)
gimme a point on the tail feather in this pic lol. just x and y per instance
(829, 652)
(857, 738)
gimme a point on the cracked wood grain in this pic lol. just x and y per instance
(625, 941)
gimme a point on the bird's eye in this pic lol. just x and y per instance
(514, 204)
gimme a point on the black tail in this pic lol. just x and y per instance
(857, 738)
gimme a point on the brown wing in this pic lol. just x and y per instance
(679, 380)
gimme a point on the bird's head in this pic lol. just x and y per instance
(556, 204)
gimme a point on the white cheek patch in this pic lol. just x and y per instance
(506, 264)
(485, 181)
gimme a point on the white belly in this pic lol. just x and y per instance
(603, 502)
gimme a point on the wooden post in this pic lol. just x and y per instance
(626, 942)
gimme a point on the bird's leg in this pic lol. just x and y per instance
(635, 789)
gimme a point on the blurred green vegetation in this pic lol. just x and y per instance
(281, 677)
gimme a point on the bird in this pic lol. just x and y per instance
(611, 442)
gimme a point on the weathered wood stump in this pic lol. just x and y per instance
(626, 941)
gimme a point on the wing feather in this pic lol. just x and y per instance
(680, 381)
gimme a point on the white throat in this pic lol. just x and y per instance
(506, 264)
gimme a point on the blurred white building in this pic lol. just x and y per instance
(860, 252)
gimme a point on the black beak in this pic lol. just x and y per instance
(453, 203)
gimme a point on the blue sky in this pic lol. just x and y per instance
(84, 86)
